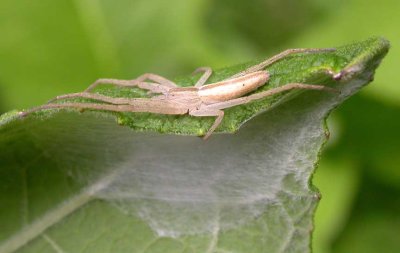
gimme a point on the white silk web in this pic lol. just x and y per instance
(184, 185)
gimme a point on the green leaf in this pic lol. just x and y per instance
(79, 182)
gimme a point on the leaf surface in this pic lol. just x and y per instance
(79, 182)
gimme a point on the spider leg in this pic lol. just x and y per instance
(263, 94)
(159, 85)
(115, 104)
(157, 79)
(203, 79)
(95, 96)
(94, 106)
(207, 113)
(153, 87)
(280, 56)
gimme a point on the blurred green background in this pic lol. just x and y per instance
(53, 47)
